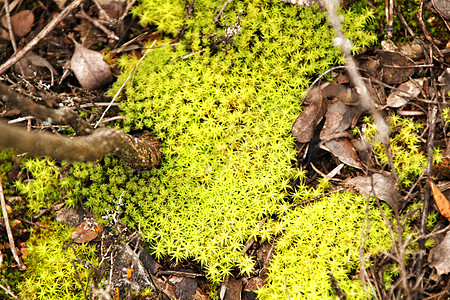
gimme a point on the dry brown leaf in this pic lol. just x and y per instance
(89, 68)
(408, 89)
(338, 119)
(344, 151)
(382, 186)
(441, 201)
(84, 233)
(31, 63)
(443, 7)
(306, 123)
(22, 22)
(393, 67)
(439, 257)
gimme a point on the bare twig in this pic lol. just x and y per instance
(216, 18)
(9, 26)
(389, 18)
(285, 285)
(42, 34)
(365, 101)
(109, 33)
(336, 288)
(432, 112)
(144, 152)
(9, 292)
(63, 115)
(365, 227)
(123, 85)
(8, 229)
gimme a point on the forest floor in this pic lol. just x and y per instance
(63, 66)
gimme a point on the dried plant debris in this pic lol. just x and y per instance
(439, 257)
(343, 149)
(440, 200)
(306, 123)
(86, 231)
(394, 67)
(404, 92)
(89, 68)
(442, 7)
(379, 185)
(21, 23)
(33, 64)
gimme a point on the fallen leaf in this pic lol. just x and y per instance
(338, 119)
(32, 63)
(307, 121)
(443, 8)
(393, 67)
(439, 257)
(22, 22)
(441, 201)
(408, 89)
(89, 68)
(344, 151)
(233, 289)
(382, 186)
(84, 233)
(343, 94)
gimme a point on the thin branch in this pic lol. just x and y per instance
(8, 229)
(42, 34)
(216, 18)
(123, 85)
(365, 101)
(109, 33)
(64, 115)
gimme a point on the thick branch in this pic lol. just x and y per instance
(64, 115)
(144, 152)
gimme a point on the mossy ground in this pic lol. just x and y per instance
(224, 119)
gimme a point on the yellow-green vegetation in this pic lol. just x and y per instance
(5, 164)
(224, 119)
(50, 273)
(320, 239)
(42, 188)
(409, 159)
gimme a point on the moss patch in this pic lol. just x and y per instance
(50, 273)
(225, 121)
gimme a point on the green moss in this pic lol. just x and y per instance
(224, 119)
(225, 122)
(50, 273)
(409, 159)
(319, 239)
(41, 189)
(6, 164)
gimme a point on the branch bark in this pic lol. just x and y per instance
(143, 152)
(64, 115)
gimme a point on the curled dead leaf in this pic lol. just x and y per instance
(84, 233)
(22, 22)
(344, 151)
(408, 89)
(89, 68)
(441, 201)
(306, 123)
(439, 257)
(394, 67)
(382, 186)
